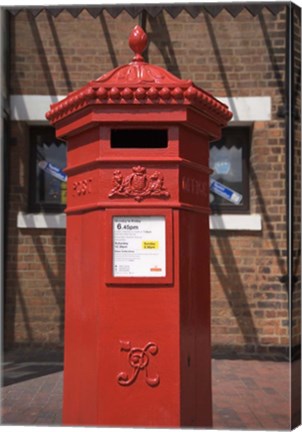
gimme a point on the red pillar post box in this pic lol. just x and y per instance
(137, 315)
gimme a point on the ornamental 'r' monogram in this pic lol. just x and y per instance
(138, 185)
(138, 359)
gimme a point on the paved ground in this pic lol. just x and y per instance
(247, 394)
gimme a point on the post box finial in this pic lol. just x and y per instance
(138, 42)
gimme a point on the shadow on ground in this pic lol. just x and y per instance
(18, 367)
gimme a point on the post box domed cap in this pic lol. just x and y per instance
(139, 83)
(139, 73)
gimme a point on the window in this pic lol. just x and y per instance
(229, 159)
(47, 181)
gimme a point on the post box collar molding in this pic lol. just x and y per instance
(139, 83)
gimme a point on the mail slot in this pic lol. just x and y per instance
(137, 313)
(139, 138)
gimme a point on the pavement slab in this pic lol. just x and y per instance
(247, 394)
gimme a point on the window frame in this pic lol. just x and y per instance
(32, 205)
(246, 150)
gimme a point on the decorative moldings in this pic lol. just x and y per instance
(138, 359)
(139, 93)
(138, 185)
(82, 187)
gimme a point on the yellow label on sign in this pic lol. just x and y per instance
(147, 244)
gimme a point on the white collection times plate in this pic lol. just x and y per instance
(139, 246)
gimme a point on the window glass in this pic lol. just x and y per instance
(229, 162)
(47, 179)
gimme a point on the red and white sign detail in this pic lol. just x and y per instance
(139, 246)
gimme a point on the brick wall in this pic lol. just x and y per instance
(296, 169)
(34, 288)
(242, 56)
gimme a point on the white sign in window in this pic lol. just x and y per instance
(139, 246)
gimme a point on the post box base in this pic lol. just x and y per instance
(139, 355)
